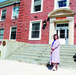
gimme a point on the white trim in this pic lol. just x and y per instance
(12, 13)
(32, 4)
(10, 33)
(55, 5)
(30, 28)
(0, 15)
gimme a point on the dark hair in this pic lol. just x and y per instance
(55, 35)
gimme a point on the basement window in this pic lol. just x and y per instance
(3, 16)
(15, 12)
(1, 33)
(13, 32)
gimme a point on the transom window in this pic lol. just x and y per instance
(37, 5)
(13, 32)
(1, 33)
(15, 12)
(62, 25)
(35, 31)
(3, 16)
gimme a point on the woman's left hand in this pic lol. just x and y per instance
(52, 48)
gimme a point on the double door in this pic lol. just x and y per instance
(63, 31)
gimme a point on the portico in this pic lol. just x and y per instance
(62, 23)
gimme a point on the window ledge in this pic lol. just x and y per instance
(62, 8)
(14, 19)
(34, 39)
(2, 20)
(36, 12)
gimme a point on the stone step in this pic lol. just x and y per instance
(68, 63)
(28, 58)
(35, 50)
(29, 55)
(44, 53)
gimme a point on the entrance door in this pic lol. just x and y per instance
(62, 31)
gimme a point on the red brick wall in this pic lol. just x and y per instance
(25, 17)
(73, 7)
(8, 22)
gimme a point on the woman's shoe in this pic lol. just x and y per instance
(54, 69)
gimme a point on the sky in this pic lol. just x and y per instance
(2, 0)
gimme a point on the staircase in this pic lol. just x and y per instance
(40, 54)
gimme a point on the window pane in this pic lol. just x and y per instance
(3, 17)
(35, 34)
(13, 32)
(37, 2)
(1, 33)
(62, 25)
(56, 31)
(62, 33)
(15, 12)
(62, 3)
(36, 26)
(37, 8)
(37, 5)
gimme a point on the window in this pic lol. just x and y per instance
(1, 33)
(37, 5)
(3, 16)
(15, 12)
(61, 4)
(13, 32)
(35, 30)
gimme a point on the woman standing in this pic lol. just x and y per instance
(55, 50)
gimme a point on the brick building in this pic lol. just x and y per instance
(35, 21)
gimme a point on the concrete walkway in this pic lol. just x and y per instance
(8, 67)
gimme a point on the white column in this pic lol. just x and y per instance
(51, 32)
(71, 32)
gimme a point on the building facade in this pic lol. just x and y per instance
(36, 21)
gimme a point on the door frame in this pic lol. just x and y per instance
(64, 40)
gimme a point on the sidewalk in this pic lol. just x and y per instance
(8, 67)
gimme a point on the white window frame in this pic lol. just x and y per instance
(10, 33)
(30, 29)
(32, 5)
(56, 7)
(12, 13)
(3, 33)
(1, 15)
